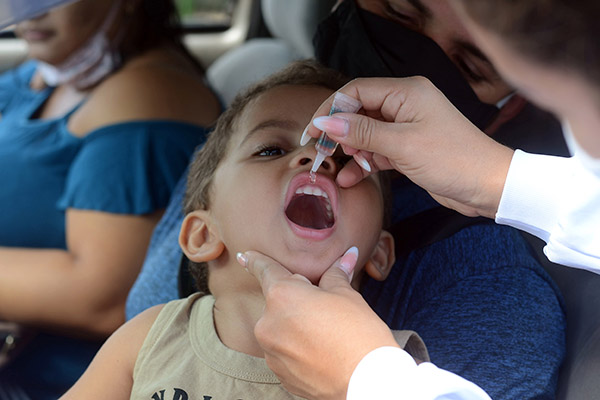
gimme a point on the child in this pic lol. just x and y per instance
(248, 188)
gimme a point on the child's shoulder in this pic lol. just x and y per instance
(132, 334)
(144, 320)
(179, 311)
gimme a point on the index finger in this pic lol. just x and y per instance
(266, 270)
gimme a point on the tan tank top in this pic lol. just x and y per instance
(182, 358)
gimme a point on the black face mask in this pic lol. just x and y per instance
(362, 44)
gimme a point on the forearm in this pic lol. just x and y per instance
(52, 288)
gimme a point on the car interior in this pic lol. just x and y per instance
(261, 36)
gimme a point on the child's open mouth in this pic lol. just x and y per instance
(310, 208)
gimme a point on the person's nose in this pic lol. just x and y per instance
(306, 157)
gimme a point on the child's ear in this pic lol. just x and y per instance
(379, 265)
(198, 238)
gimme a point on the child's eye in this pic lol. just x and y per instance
(270, 151)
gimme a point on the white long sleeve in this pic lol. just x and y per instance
(558, 200)
(390, 373)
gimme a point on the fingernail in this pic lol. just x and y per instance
(241, 259)
(348, 261)
(335, 126)
(364, 164)
(305, 138)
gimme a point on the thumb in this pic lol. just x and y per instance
(341, 272)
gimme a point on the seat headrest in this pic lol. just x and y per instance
(295, 21)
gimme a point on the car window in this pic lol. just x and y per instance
(206, 14)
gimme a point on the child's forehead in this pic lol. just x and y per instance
(292, 103)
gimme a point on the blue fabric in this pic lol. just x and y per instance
(157, 282)
(125, 168)
(34, 161)
(481, 302)
(484, 306)
(130, 168)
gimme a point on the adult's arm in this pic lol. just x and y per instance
(81, 288)
(360, 360)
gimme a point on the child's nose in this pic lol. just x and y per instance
(306, 158)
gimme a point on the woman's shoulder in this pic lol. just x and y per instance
(152, 87)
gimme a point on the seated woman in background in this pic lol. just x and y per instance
(95, 130)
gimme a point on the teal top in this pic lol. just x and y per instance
(124, 168)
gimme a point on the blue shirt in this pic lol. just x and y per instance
(126, 168)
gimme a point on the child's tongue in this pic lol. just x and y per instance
(312, 212)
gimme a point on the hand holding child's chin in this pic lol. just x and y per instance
(314, 336)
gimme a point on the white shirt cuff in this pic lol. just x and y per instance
(390, 373)
(533, 192)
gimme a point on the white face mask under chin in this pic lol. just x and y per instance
(590, 163)
(87, 65)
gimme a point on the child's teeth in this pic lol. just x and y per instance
(312, 191)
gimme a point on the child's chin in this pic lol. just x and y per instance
(308, 265)
(310, 273)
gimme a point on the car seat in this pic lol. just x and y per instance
(292, 23)
(579, 374)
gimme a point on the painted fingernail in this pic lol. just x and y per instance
(335, 126)
(242, 259)
(305, 138)
(364, 164)
(348, 261)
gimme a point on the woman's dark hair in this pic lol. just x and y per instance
(563, 33)
(151, 23)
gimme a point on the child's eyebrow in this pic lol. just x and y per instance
(284, 124)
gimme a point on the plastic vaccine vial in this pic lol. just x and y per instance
(325, 146)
